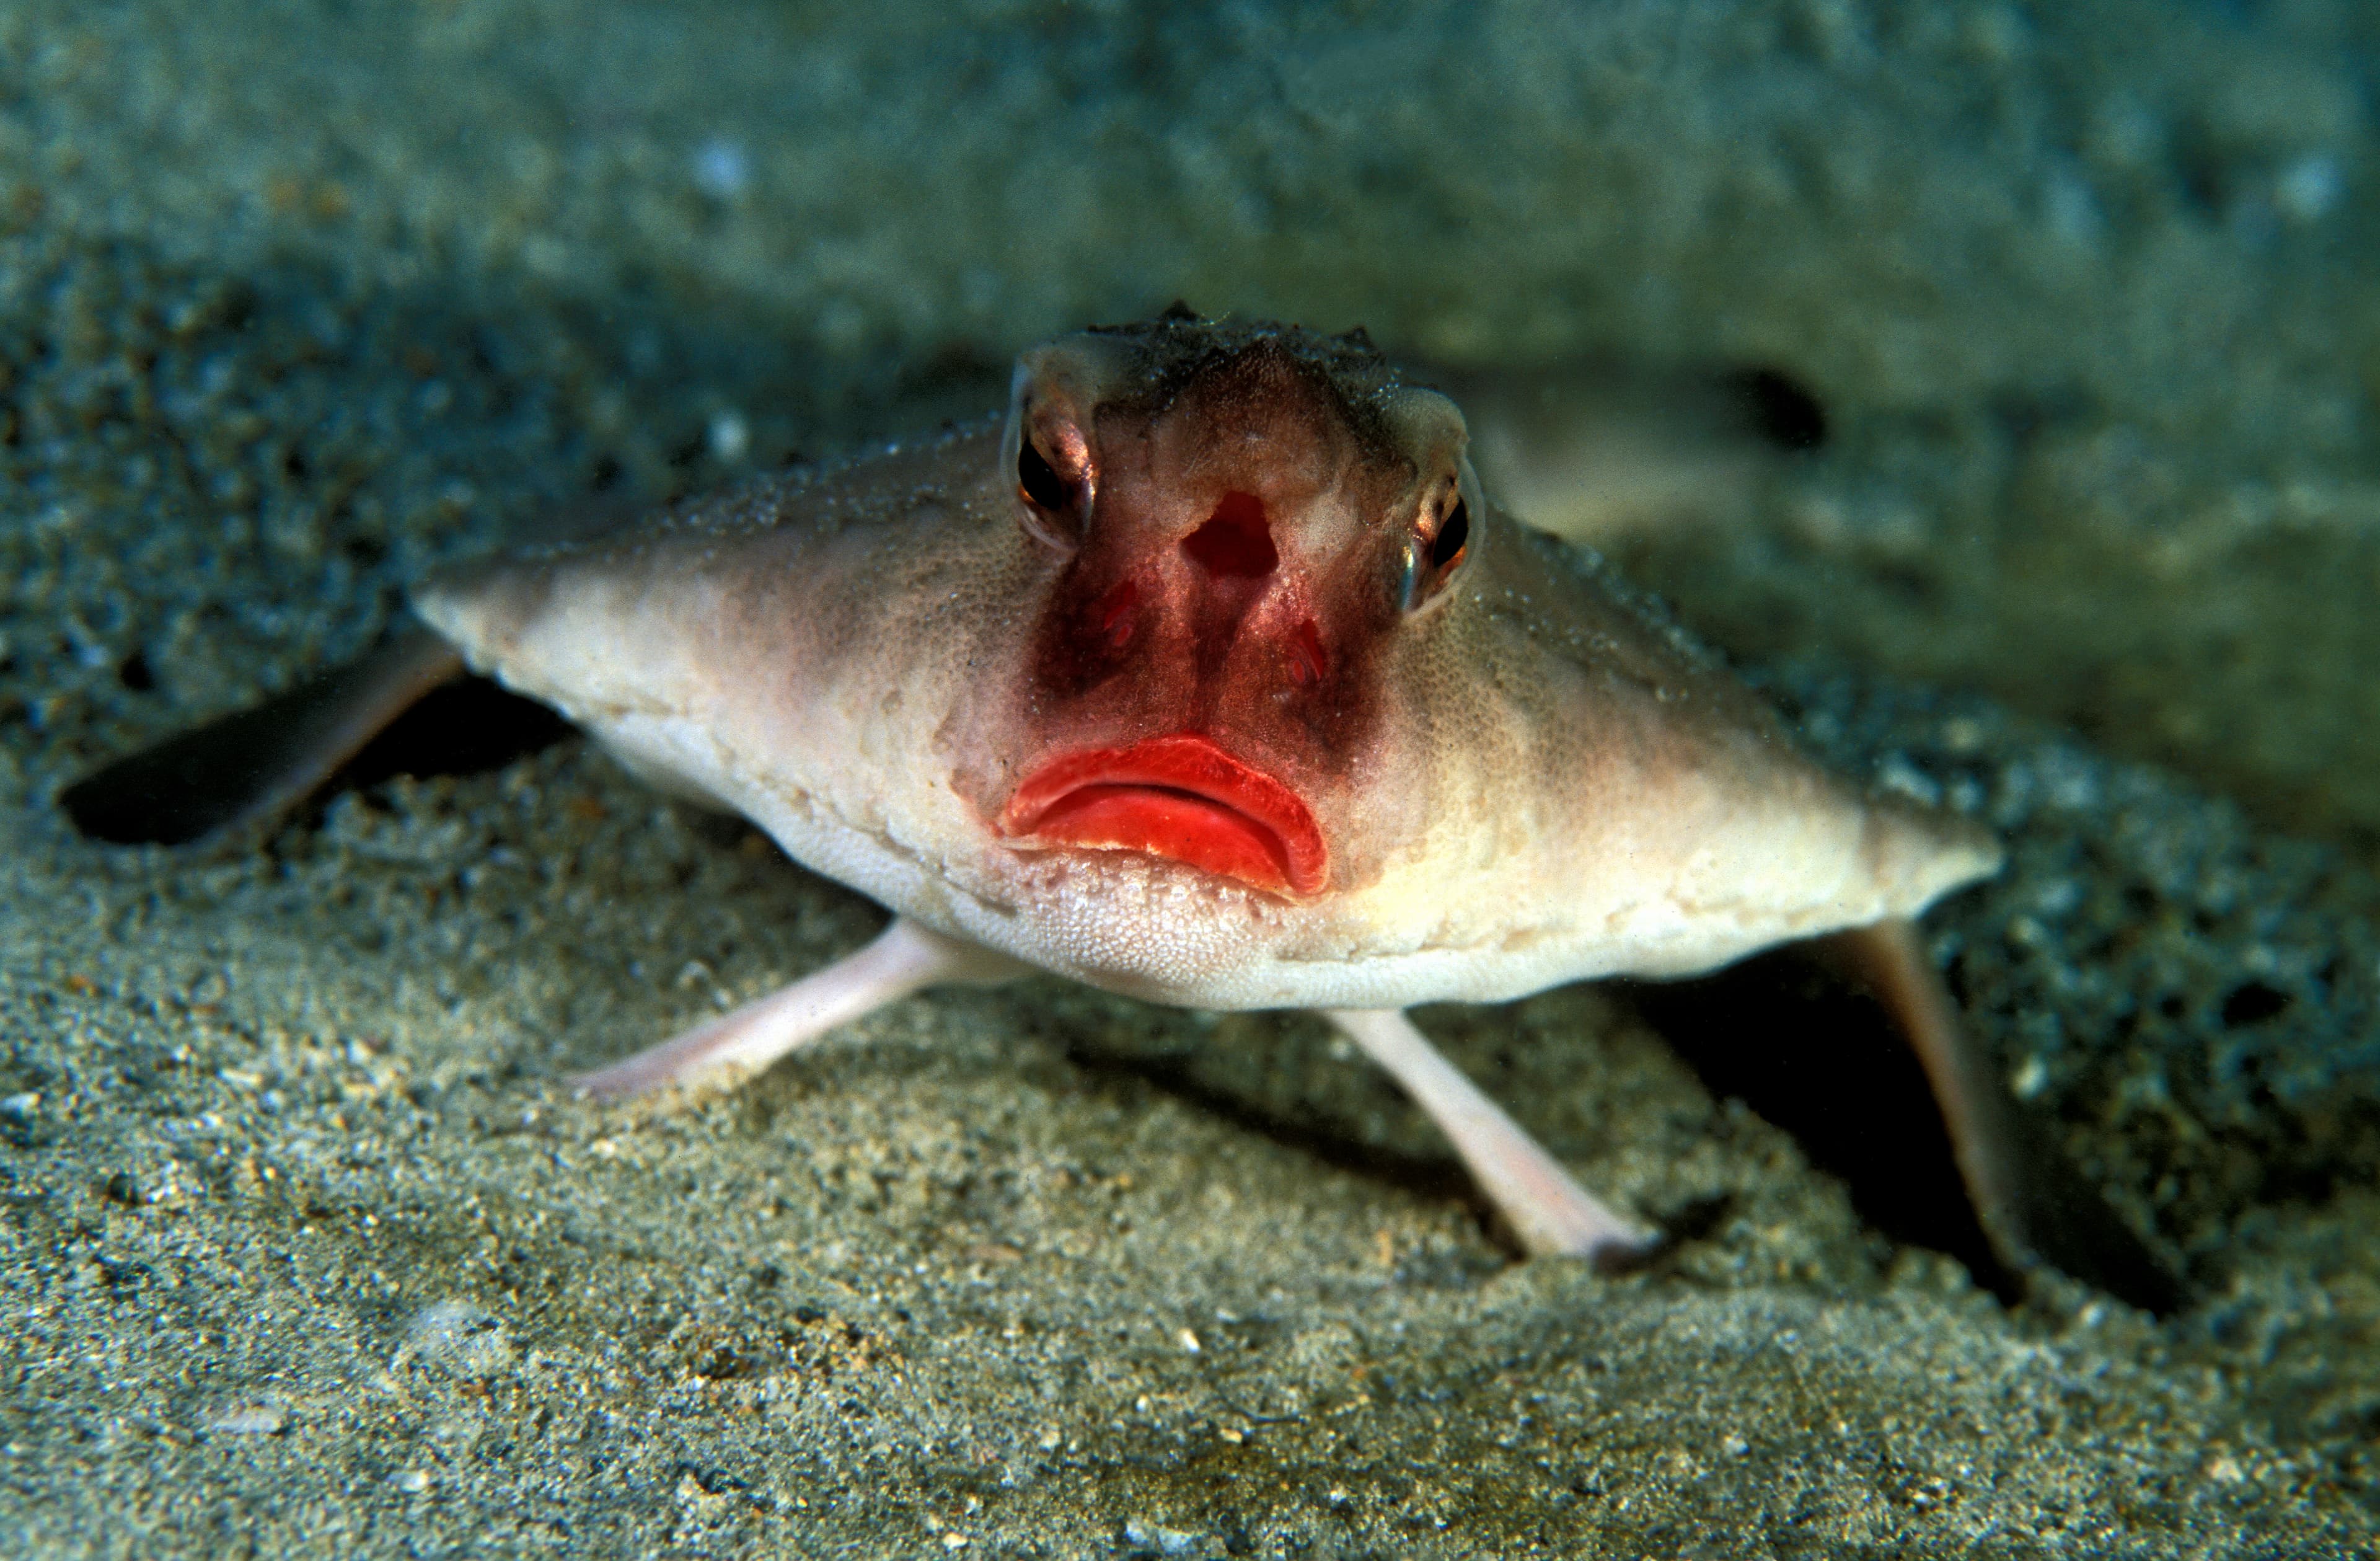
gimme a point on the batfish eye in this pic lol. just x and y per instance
(1453, 539)
(1039, 481)
(1053, 496)
(1429, 558)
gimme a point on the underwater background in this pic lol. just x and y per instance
(304, 1244)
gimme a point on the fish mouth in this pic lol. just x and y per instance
(1181, 798)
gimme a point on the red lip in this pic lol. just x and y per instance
(1181, 798)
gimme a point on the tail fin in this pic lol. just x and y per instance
(260, 761)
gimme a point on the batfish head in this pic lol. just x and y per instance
(1240, 522)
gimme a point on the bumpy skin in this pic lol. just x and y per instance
(1519, 776)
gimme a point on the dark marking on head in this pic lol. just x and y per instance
(1235, 540)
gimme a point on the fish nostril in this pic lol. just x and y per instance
(1112, 615)
(1236, 539)
(1309, 662)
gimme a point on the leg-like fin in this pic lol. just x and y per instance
(723, 1053)
(1547, 1210)
(2032, 1203)
(262, 761)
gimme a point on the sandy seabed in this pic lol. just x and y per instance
(307, 1248)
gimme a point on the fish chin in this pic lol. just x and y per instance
(1178, 796)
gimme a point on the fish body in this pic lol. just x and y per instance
(1207, 674)
(1524, 780)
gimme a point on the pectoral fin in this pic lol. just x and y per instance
(722, 1054)
(2033, 1205)
(259, 761)
(1549, 1211)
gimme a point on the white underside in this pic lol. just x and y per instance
(1153, 929)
